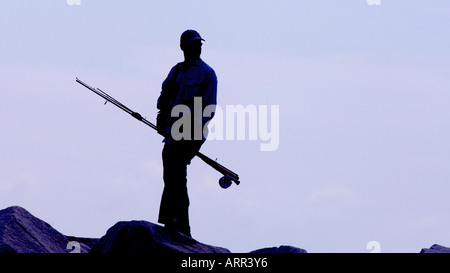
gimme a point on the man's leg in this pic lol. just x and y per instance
(175, 200)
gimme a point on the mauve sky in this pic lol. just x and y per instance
(363, 97)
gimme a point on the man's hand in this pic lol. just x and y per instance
(161, 123)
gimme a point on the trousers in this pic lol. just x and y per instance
(174, 207)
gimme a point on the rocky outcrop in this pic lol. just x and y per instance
(145, 237)
(21, 232)
(436, 249)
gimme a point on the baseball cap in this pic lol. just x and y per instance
(189, 36)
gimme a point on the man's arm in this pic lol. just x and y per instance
(169, 88)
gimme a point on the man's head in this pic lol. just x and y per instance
(191, 44)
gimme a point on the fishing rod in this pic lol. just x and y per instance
(224, 182)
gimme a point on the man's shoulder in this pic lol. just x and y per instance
(175, 68)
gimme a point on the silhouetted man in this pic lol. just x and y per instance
(186, 80)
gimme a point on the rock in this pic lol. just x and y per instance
(21, 232)
(142, 237)
(281, 249)
(436, 249)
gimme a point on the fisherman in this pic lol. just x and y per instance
(186, 80)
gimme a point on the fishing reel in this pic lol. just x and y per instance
(225, 181)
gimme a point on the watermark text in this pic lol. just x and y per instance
(235, 122)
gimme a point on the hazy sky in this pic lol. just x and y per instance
(363, 97)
